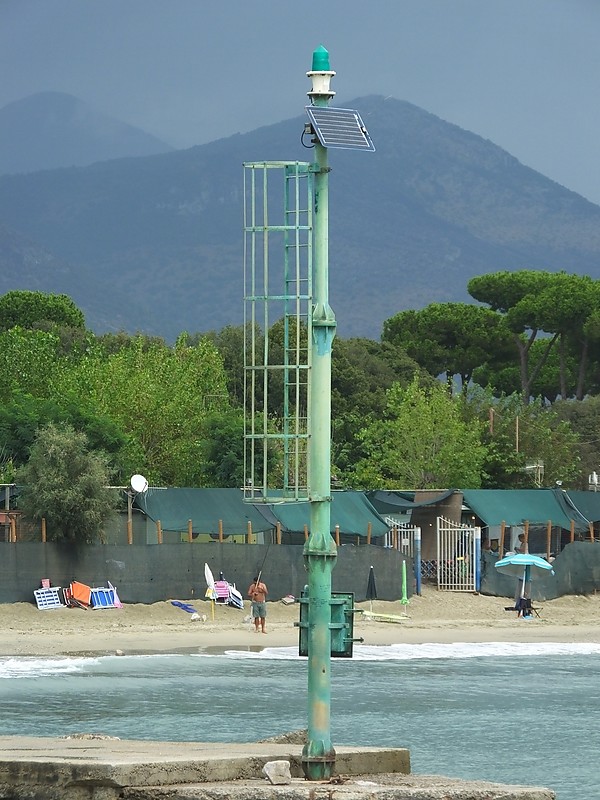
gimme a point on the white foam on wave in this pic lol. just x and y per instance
(30, 667)
(410, 652)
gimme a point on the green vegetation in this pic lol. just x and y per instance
(67, 484)
(454, 395)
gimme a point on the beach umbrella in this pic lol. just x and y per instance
(371, 588)
(525, 567)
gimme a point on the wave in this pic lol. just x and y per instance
(27, 667)
(410, 652)
(50, 666)
(31, 667)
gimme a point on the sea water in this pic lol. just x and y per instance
(520, 713)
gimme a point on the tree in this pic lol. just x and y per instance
(362, 370)
(27, 309)
(230, 341)
(24, 415)
(29, 362)
(516, 295)
(584, 420)
(159, 396)
(422, 443)
(65, 483)
(222, 449)
(515, 434)
(450, 338)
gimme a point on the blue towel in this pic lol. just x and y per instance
(185, 606)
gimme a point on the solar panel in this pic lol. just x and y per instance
(339, 127)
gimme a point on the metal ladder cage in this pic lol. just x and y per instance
(278, 251)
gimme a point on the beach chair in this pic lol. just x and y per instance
(225, 593)
(524, 608)
(221, 592)
(48, 597)
(79, 595)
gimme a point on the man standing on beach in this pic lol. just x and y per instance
(258, 594)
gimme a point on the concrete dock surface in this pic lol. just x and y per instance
(94, 768)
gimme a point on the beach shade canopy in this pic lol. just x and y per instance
(371, 587)
(517, 564)
(525, 567)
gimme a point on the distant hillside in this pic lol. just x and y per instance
(409, 224)
(52, 129)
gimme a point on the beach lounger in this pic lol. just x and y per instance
(48, 598)
(102, 597)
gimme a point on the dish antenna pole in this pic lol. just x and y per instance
(137, 485)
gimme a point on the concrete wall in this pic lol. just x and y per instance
(151, 573)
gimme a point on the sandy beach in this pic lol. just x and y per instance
(162, 627)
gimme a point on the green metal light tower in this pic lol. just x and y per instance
(286, 257)
(320, 552)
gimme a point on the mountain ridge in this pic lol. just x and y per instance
(158, 239)
(49, 130)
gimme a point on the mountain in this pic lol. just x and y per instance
(53, 129)
(156, 243)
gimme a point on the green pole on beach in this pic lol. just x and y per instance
(320, 552)
(404, 600)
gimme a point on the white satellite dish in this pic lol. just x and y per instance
(138, 483)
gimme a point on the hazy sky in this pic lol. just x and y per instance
(522, 73)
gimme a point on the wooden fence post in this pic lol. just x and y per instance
(548, 539)
(220, 530)
(305, 533)
(572, 530)
(43, 530)
(278, 533)
(249, 533)
(502, 532)
(190, 531)
(337, 535)
(526, 532)
(592, 532)
(159, 531)
(369, 530)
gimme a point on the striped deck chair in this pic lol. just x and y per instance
(221, 592)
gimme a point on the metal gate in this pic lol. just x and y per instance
(407, 539)
(458, 557)
(401, 536)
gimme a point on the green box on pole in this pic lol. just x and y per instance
(341, 624)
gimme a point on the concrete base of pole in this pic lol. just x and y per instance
(114, 769)
(318, 760)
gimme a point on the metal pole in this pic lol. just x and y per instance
(129, 517)
(417, 541)
(320, 552)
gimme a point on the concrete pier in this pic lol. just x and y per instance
(114, 769)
